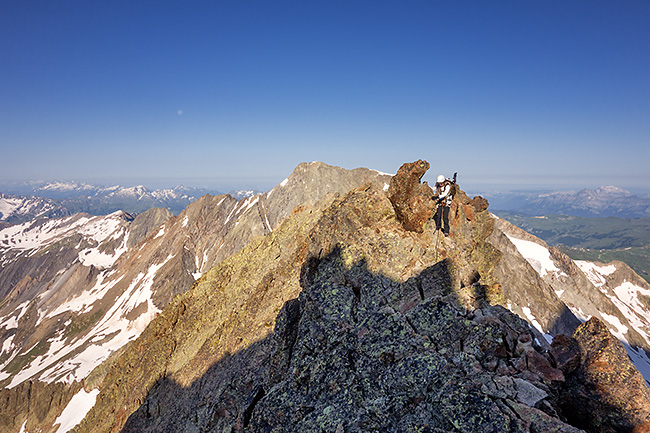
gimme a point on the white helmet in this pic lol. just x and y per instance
(440, 179)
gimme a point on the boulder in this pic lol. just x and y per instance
(566, 352)
(411, 198)
(479, 203)
(605, 393)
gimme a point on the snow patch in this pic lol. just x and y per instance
(101, 228)
(532, 319)
(626, 299)
(284, 182)
(9, 205)
(36, 235)
(112, 332)
(205, 260)
(87, 298)
(33, 235)
(185, 221)
(101, 260)
(160, 232)
(629, 294)
(7, 345)
(596, 274)
(621, 329)
(538, 256)
(230, 215)
(12, 321)
(76, 410)
(381, 173)
(250, 202)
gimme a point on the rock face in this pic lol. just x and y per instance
(555, 293)
(605, 393)
(410, 198)
(373, 333)
(308, 183)
(39, 401)
(530, 289)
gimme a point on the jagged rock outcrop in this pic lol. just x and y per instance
(308, 183)
(604, 392)
(410, 198)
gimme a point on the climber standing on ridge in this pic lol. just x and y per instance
(443, 196)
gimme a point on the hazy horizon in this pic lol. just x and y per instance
(229, 185)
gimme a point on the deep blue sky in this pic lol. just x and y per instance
(237, 93)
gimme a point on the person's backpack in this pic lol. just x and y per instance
(453, 189)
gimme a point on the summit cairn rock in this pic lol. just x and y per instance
(410, 197)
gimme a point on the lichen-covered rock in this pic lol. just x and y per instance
(412, 199)
(358, 364)
(605, 393)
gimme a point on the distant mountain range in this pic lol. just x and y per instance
(15, 209)
(21, 202)
(601, 202)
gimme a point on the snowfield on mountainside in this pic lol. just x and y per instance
(625, 296)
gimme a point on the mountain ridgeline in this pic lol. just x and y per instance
(23, 202)
(605, 201)
(329, 303)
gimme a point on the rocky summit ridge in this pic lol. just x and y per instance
(344, 314)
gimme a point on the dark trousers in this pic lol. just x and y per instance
(442, 217)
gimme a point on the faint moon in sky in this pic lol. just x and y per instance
(180, 112)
